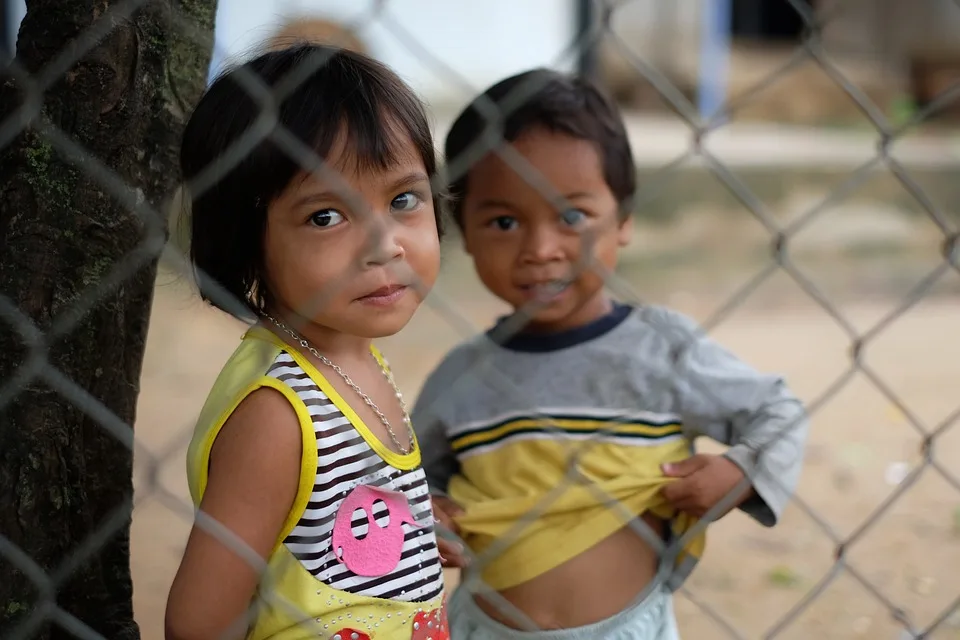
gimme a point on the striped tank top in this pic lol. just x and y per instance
(357, 557)
(347, 463)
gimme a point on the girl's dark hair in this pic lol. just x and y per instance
(313, 93)
(551, 100)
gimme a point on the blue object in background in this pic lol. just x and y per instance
(13, 12)
(714, 57)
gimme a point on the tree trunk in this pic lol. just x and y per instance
(66, 481)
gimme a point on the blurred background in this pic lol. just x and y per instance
(799, 196)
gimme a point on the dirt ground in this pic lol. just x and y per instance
(904, 548)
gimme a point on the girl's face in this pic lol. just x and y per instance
(355, 255)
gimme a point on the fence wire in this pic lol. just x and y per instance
(810, 50)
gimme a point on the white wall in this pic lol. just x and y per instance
(457, 48)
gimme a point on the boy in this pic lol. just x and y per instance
(593, 403)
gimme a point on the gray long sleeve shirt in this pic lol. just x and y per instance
(647, 359)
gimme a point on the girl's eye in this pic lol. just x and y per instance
(573, 217)
(326, 218)
(504, 223)
(406, 202)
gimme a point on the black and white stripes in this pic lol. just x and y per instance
(345, 461)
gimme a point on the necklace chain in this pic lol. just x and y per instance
(384, 368)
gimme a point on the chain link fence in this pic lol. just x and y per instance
(780, 262)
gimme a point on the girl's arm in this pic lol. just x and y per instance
(252, 483)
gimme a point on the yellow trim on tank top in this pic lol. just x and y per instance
(403, 462)
(308, 449)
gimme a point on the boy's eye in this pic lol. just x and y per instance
(573, 217)
(326, 218)
(406, 201)
(504, 223)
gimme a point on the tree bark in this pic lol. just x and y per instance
(65, 481)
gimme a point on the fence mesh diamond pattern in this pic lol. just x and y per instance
(714, 617)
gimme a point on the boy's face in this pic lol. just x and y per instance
(528, 250)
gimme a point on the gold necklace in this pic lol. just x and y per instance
(384, 368)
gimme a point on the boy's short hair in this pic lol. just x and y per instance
(328, 91)
(542, 98)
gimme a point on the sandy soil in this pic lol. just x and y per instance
(904, 548)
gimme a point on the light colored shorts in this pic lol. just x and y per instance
(649, 619)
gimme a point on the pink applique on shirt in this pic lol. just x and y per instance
(378, 553)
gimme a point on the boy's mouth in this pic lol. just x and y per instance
(545, 290)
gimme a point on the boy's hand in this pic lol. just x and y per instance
(703, 481)
(444, 511)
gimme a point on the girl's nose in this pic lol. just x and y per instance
(383, 246)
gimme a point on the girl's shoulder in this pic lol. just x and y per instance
(260, 362)
(251, 366)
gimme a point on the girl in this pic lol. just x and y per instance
(303, 455)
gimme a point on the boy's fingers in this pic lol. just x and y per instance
(449, 547)
(444, 512)
(442, 518)
(448, 505)
(685, 467)
(451, 553)
(678, 491)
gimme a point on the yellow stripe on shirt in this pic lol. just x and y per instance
(636, 429)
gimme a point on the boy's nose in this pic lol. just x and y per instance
(543, 245)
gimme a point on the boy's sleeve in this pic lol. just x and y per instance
(437, 457)
(726, 399)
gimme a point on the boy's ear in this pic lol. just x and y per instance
(625, 232)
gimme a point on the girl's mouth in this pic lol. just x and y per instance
(385, 296)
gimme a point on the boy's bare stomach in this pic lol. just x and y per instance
(597, 584)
